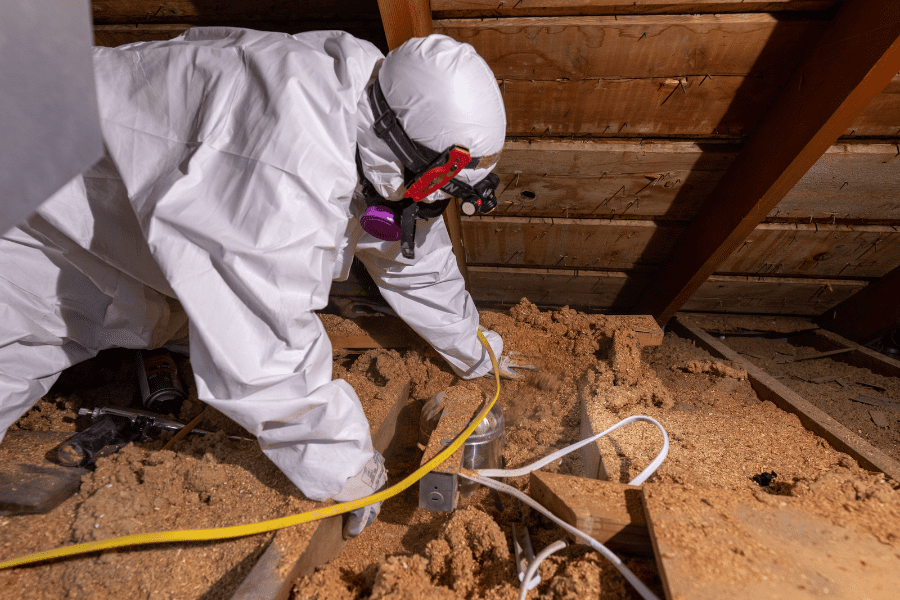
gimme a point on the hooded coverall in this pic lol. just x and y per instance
(227, 188)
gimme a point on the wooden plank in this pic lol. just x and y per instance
(271, 579)
(610, 512)
(757, 545)
(723, 106)
(194, 11)
(602, 178)
(871, 311)
(555, 287)
(448, 9)
(806, 119)
(575, 48)
(792, 250)
(862, 357)
(851, 181)
(577, 243)
(803, 249)
(770, 295)
(452, 219)
(645, 328)
(817, 421)
(602, 290)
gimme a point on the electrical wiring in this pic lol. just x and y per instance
(222, 533)
(536, 563)
(638, 480)
(483, 477)
(642, 589)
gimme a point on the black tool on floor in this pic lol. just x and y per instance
(112, 428)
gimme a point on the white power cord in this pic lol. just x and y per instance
(484, 475)
(642, 589)
(641, 477)
(533, 567)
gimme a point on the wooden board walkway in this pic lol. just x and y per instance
(714, 543)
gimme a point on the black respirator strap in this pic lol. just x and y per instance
(413, 155)
(408, 230)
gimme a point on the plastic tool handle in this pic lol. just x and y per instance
(81, 449)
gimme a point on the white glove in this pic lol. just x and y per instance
(508, 363)
(371, 479)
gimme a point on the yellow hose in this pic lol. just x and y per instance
(224, 533)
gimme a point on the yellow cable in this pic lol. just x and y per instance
(223, 533)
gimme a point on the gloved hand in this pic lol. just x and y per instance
(371, 479)
(508, 363)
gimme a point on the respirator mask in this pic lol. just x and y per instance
(425, 172)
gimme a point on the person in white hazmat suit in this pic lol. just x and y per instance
(227, 201)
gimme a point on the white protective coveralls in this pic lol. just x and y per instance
(227, 188)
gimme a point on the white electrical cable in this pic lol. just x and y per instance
(484, 475)
(641, 477)
(533, 567)
(642, 589)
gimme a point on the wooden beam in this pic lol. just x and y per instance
(868, 312)
(853, 183)
(229, 12)
(857, 57)
(403, 20)
(812, 418)
(447, 9)
(633, 47)
(782, 249)
(609, 511)
(724, 107)
(596, 290)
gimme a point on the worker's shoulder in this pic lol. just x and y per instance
(326, 41)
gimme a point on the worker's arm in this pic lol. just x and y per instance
(428, 292)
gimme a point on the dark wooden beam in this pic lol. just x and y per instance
(857, 57)
(405, 19)
(869, 311)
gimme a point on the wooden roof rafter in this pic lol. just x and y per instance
(856, 58)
